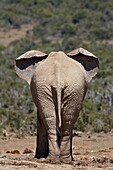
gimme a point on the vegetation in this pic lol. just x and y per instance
(57, 25)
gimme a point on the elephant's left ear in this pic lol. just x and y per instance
(88, 60)
(27, 63)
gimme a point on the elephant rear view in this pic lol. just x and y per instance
(58, 85)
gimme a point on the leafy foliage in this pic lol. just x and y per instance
(58, 25)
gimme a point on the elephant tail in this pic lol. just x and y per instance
(59, 106)
(58, 90)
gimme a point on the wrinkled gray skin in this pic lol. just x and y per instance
(58, 85)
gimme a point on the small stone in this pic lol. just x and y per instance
(26, 151)
(15, 152)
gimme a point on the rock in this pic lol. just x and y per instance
(13, 151)
(27, 151)
(5, 133)
(77, 133)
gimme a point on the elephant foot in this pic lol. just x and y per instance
(53, 159)
(66, 160)
(41, 160)
(41, 154)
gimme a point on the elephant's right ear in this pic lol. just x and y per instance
(88, 60)
(27, 63)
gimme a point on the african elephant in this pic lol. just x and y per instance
(58, 84)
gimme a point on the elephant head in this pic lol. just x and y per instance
(27, 63)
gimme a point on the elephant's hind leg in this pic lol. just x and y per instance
(66, 144)
(48, 114)
(70, 112)
(42, 149)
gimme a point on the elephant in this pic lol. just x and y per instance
(58, 84)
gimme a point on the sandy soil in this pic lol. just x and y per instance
(9, 35)
(90, 151)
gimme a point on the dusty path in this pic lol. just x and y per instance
(91, 152)
(9, 35)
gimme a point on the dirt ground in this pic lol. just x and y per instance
(90, 152)
(9, 35)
